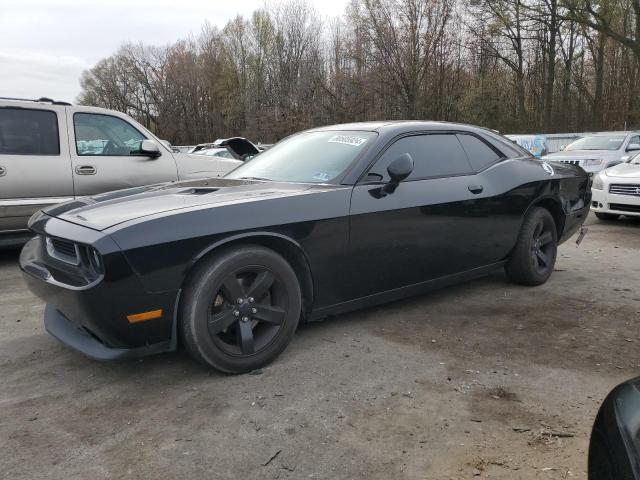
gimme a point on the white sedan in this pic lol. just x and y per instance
(616, 190)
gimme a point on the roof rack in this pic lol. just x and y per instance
(40, 100)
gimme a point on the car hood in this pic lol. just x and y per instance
(624, 170)
(106, 210)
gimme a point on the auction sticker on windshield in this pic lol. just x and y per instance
(347, 140)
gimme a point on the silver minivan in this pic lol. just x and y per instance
(51, 152)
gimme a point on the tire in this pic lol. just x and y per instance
(606, 216)
(534, 255)
(240, 309)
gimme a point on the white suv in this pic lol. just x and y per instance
(51, 152)
(598, 151)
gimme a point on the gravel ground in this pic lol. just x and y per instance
(484, 380)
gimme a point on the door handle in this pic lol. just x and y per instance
(476, 189)
(3, 171)
(86, 170)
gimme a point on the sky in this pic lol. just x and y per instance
(46, 44)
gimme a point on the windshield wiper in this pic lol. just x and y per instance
(256, 178)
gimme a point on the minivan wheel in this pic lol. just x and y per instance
(240, 309)
(534, 255)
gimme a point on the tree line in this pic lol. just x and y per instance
(517, 66)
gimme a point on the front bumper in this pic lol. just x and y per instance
(604, 202)
(76, 337)
(590, 169)
(92, 318)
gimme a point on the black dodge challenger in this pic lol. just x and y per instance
(328, 220)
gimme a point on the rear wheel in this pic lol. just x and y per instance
(240, 309)
(534, 255)
(607, 216)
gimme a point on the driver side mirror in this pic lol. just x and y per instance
(398, 170)
(632, 147)
(149, 148)
(614, 453)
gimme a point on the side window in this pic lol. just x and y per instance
(105, 135)
(634, 140)
(480, 154)
(28, 132)
(436, 155)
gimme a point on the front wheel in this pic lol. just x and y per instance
(240, 309)
(534, 255)
(607, 216)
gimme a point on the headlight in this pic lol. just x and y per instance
(591, 162)
(598, 184)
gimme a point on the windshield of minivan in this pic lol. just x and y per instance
(310, 157)
(597, 142)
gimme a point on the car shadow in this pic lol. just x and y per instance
(630, 221)
(492, 280)
(9, 256)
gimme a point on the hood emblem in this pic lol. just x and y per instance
(548, 168)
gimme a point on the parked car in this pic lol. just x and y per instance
(53, 151)
(614, 447)
(239, 147)
(223, 152)
(598, 151)
(326, 221)
(616, 190)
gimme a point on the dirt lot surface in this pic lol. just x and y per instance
(483, 380)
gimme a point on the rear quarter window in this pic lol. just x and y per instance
(28, 132)
(509, 147)
(480, 154)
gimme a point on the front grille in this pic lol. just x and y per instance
(572, 162)
(625, 189)
(63, 250)
(624, 208)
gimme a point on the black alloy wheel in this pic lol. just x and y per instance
(542, 246)
(534, 255)
(248, 311)
(240, 308)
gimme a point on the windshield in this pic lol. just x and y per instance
(635, 160)
(311, 157)
(600, 142)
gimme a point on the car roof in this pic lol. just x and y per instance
(47, 101)
(398, 126)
